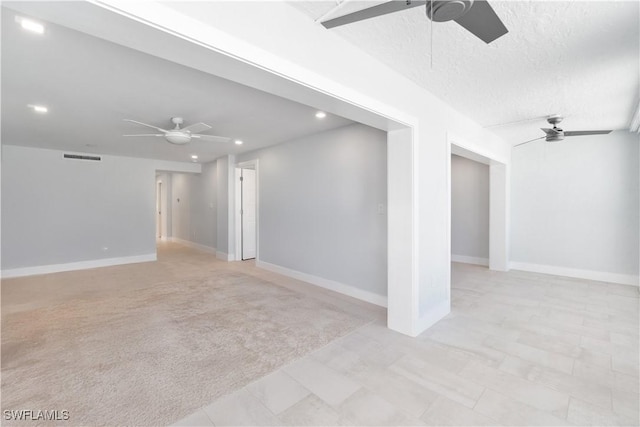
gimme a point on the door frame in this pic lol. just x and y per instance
(499, 199)
(249, 164)
(159, 210)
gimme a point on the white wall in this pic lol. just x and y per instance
(469, 210)
(58, 211)
(319, 200)
(575, 207)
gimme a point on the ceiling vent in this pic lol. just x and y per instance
(81, 157)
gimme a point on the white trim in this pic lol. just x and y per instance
(238, 223)
(81, 265)
(248, 164)
(499, 198)
(193, 245)
(331, 285)
(225, 256)
(476, 149)
(433, 315)
(600, 276)
(470, 260)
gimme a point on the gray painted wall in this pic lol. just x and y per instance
(181, 206)
(204, 217)
(469, 208)
(194, 217)
(318, 206)
(575, 204)
(222, 205)
(57, 211)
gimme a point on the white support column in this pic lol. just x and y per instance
(401, 231)
(499, 190)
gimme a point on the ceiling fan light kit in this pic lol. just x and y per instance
(178, 138)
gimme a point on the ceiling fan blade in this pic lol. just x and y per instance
(212, 138)
(147, 134)
(196, 128)
(483, 22)
(587, 132)
(372, 12)
(531, 140)
(149, 126)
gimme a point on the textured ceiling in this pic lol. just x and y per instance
(91, 85)
(576, 58)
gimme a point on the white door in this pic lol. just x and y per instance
(248, 212)
(159, 210)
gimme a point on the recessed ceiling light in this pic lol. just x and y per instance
(321, 114)
(238, 142)
(30, 25)
(38, 108)
(194, 157)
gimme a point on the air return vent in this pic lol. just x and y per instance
(81, 157)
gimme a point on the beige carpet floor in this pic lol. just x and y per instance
(151, 356)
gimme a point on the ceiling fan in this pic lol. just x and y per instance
(476, 16)
(181, 136)
(556, 134)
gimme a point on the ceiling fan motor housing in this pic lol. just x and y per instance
(557, 137)
(447, 10)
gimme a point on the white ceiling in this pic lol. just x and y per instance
(91, 85)
(576, 58)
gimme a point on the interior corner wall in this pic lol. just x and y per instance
(57, 212)
(322, 206)
(575, 207)
(469, 211)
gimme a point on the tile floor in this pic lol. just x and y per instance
(517, 349)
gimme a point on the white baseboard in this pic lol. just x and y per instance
(434, 314)
(225, 256)
(81, 265)
(601, 276)
(194, 245)
(470, 260)
(331, 285)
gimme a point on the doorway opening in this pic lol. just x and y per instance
(247, 210)
(490, 181)
(469, 211)
(159, 234)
